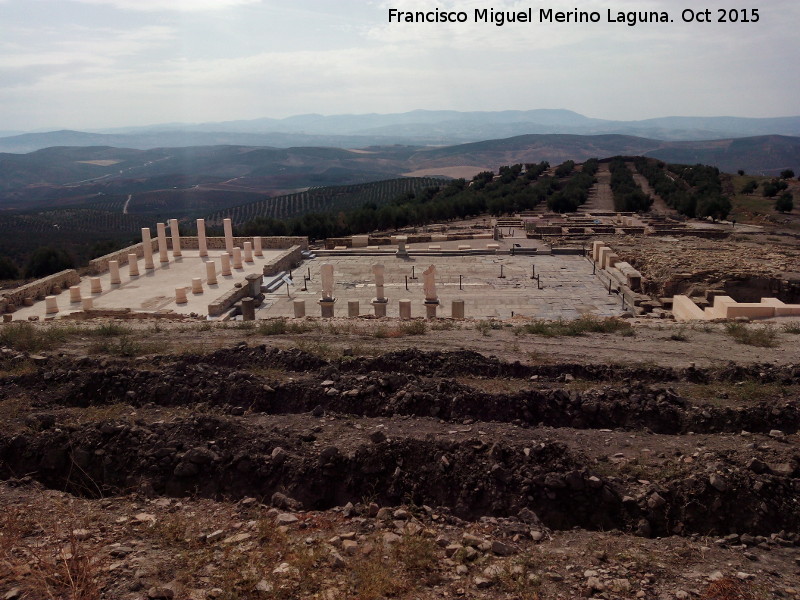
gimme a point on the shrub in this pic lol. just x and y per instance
(763, 337)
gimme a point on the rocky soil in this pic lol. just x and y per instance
(462, 462)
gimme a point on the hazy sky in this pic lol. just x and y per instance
(106, 63)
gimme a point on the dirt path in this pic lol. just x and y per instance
(659, 206)
(600, 196)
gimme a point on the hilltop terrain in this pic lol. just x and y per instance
(330, 460)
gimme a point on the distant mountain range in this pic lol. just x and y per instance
(417, 128)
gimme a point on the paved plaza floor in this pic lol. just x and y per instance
(154, 290)
(569, 290)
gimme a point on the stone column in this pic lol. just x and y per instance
(327, 301)
(429, 285)
(380, 301)
(97, 287)
(74, 294)
(237, 258)
(162, 243)
(211, 273)
(197, 285)
(87, 303)
(225, 259)
(401, 247)
(50, 305)
(133, 265)
(228, 226)
(180, 295)
(457, 310)
(353, 308)
(147, 246)
(248, 309)
(113, 269)
(248, 252)
(299, 308)
(405, 309)
(202, 243)
(257, 246)
(176, 238)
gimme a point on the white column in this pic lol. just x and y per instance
(162, 242)
(97, 288)
(176, 238)
(180, 295)
(226, 264)
(197, 285)
(202, 243)
(228, 226)
(237, 258)
(50, 305)
(211, 273)
(257, 246)
(405, 309)
(113, 269)
(87, 303)
(75, 293)
(248, 252)
(147, 244)
(133, 265)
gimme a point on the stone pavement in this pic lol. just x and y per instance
(569, 290)
(154, 290)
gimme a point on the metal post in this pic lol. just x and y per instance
(538, 282)
(459, 282)
(309, 273)
(290, 275)
(502, 276)
(413, 274)
(594, 267)
(609, 286)
(406, 282)
(305, 284)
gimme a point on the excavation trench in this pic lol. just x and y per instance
(224, 426)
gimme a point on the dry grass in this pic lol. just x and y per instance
(762, 337)
(728, 589)
(63, 567)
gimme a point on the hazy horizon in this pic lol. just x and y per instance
(102, 64)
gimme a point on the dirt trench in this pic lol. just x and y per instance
(402, 428)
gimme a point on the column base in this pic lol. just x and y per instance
(326, 308)
(380, 304)
(430, 309)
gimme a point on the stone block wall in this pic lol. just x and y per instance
(227, 300)
(39, 288)
(100, 265)
(285, 261)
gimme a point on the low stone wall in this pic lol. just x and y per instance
(250, 287)
(39, 288)
(100, 265)
(284, 261)
(267, 243)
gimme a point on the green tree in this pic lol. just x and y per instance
(740, 172)
(787, 174)
(48, 260)
(750, 187)
(785, 203)
(8, 270)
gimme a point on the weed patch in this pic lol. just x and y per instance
(577, 327)
(762, 337)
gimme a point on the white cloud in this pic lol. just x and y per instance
(170, 5)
